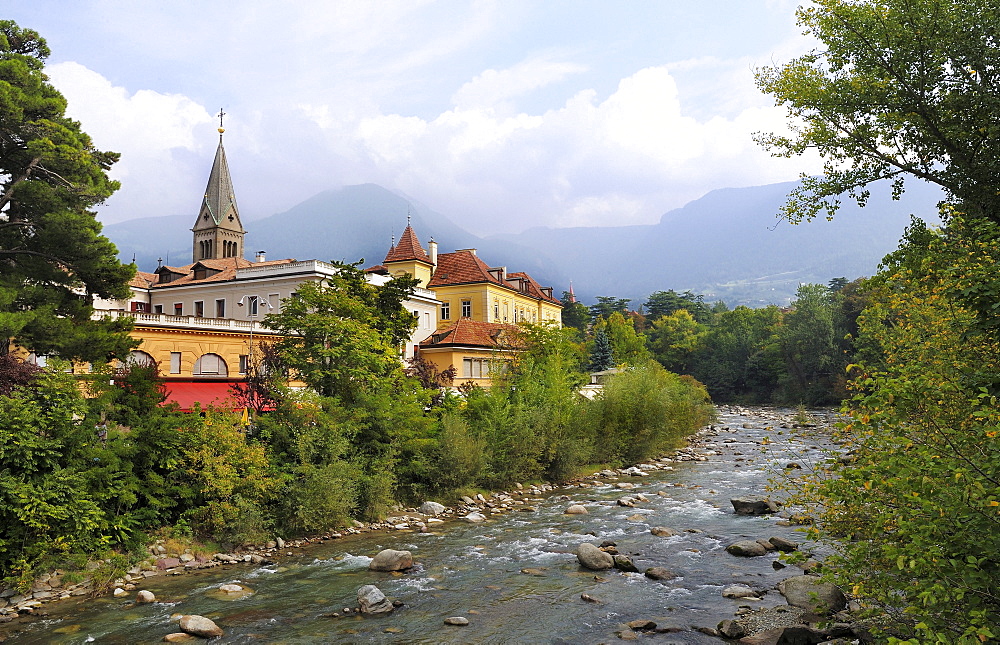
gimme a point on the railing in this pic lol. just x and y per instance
(183, 322)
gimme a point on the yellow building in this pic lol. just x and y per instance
(471, 291)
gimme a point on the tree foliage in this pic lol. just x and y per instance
(52, 254)
(896, 88)
(342, 334)
(920, 499)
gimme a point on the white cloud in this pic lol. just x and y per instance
(494, 87)
(147, 128)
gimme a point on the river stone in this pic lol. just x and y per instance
(593, 558)
(659, 573)
(456, 620)
(231, 588)
(746, 549)
(809, 592)
(145, 597)
(178, 637)
(663, 531)
(731, 629)
(753, 506)
(432, 508)
(200, 626)
(474, 518)
(783, 544)
(391, 560)
(739, 591)
(119, 592)
(371, 600)
(624, 563)
(576, 509)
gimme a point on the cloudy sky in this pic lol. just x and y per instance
(502, 115)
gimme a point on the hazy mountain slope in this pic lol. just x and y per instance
(729, 245)
(350, 223)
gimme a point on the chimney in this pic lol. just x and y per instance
(261, 256)
(433, 248)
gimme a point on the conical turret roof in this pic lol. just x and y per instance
(408, 249)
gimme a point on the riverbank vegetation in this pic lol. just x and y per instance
(784, 355)
(897, 90)
(85, 471)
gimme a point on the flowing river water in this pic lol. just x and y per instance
(515, 577)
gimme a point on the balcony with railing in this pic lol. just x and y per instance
(184, 322)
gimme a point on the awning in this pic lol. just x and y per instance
(215, 394)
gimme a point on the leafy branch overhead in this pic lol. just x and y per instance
(897, 88)
(51, 247)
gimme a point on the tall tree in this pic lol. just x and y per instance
(53, 258)
(574, 314)
(343, 335)
(601, 355)
(607, 305)
(896, 88)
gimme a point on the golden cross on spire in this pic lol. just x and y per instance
(220, 115)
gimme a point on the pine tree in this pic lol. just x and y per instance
(601, 357)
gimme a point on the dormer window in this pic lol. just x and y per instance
(201, 271)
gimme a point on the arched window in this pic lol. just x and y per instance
(210, 365)
(137, 357)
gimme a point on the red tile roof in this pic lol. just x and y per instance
(532, 287)
(408, 249)
(465, 267)
(226, 268)
(475, 333)
(143, 280)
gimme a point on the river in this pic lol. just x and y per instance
(515, 577)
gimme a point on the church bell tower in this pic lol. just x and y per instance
(218, 232)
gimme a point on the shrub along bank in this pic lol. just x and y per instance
(82, 475)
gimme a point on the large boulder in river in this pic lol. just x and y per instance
(746, 549)
(809, 592)
(663, 531)
(753, 505)
(391, 560)
(576, 509)
(432, 508)
(593, 558)
(372, 601)
(659, 573)
(200, 626)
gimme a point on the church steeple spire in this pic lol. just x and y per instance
(218, 232)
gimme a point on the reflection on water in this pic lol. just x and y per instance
(515, 578)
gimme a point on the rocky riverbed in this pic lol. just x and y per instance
(505, 568)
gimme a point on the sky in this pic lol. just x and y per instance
(502, 115)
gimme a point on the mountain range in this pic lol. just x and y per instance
(727, 245)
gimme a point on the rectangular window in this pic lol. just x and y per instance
(178, 308)
(496, 310)
(466, 309)
(427, 320)
(505, 311)
(445, 311)
(158, 309)
(244, 361)
(476, 367)
(199, 308)
(175, 362)
(220, 308)
(252, 308)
